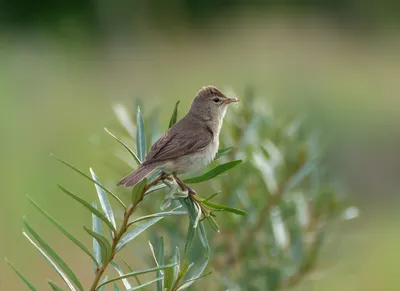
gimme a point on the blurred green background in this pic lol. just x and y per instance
(63, 65)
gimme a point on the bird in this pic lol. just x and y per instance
(190, 144)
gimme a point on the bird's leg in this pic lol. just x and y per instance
(183, 185)
(163, 175)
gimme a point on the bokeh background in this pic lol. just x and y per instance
(64, 63)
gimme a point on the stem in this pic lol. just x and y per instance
(120, 232)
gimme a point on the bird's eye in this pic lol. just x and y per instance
(216, 99)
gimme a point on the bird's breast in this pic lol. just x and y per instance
(193, 162)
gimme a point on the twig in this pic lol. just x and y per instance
(120, 232)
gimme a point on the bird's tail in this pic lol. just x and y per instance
(137, 175)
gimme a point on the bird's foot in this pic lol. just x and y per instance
(190, 190)
(184, 186)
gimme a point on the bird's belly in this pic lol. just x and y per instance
(192, 162)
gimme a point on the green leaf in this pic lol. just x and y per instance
(223, 207)
(144, 284)
(102, 281)
(23, 278)
(62, 229)
(140, 136)
(96, 226)
(90, 179)
(174, 116)
(90, 207)
(188, 203)
(303, 172)
(104, 244)
(196, 276)
(212, 196)
(119, 271)
(116, 287)
(54, 255)
(52, 263)
(214, 172)
(156, 188)
(203, 237)
(131, 274)
(54, 286)
(194, 279)
(213, 224)
(104, 203)
(137, 190)
(131, 270)
(160, 259)
(223, 152)
(135, 157)
(168, 278)
(135, 232)
(160, 214)
(176, 260)
(182, 272)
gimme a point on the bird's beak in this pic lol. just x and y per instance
(230, 100)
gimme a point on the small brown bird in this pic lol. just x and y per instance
(191, 143)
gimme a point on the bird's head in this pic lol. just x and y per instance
(211, 103)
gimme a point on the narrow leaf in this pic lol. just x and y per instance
(116, 287)
(124, 117)
(144, 284)
(54, 255)
(23, 278)
(137, 190)
(214, 172)
(160, 214)
(53, 264)
(224, 207)
(212, 196)
(119, 271)
(131, 270)
(184, 286)
(174, 116)
(160, 259)
(104, 203)
(140, 136)
(168, 278)
(135, 232)
(88, 206)
(188, 204)
(182, 272)
(102, 281)
(176, 260)
(196, 276)
(90, 179)
(135, 157)
(62, 229)
(203, 237)
(223, 152)
(303, 172)
(213, 224)
(103, 242)
(189, 236)
(54, 286)
(156, 188)
(131, 274)
(96, 226)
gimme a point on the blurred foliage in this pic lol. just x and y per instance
(282, 184)
(165, 14)
(175, 276)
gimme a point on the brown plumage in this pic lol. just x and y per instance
(191, 143)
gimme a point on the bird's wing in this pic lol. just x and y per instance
(179, 141)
